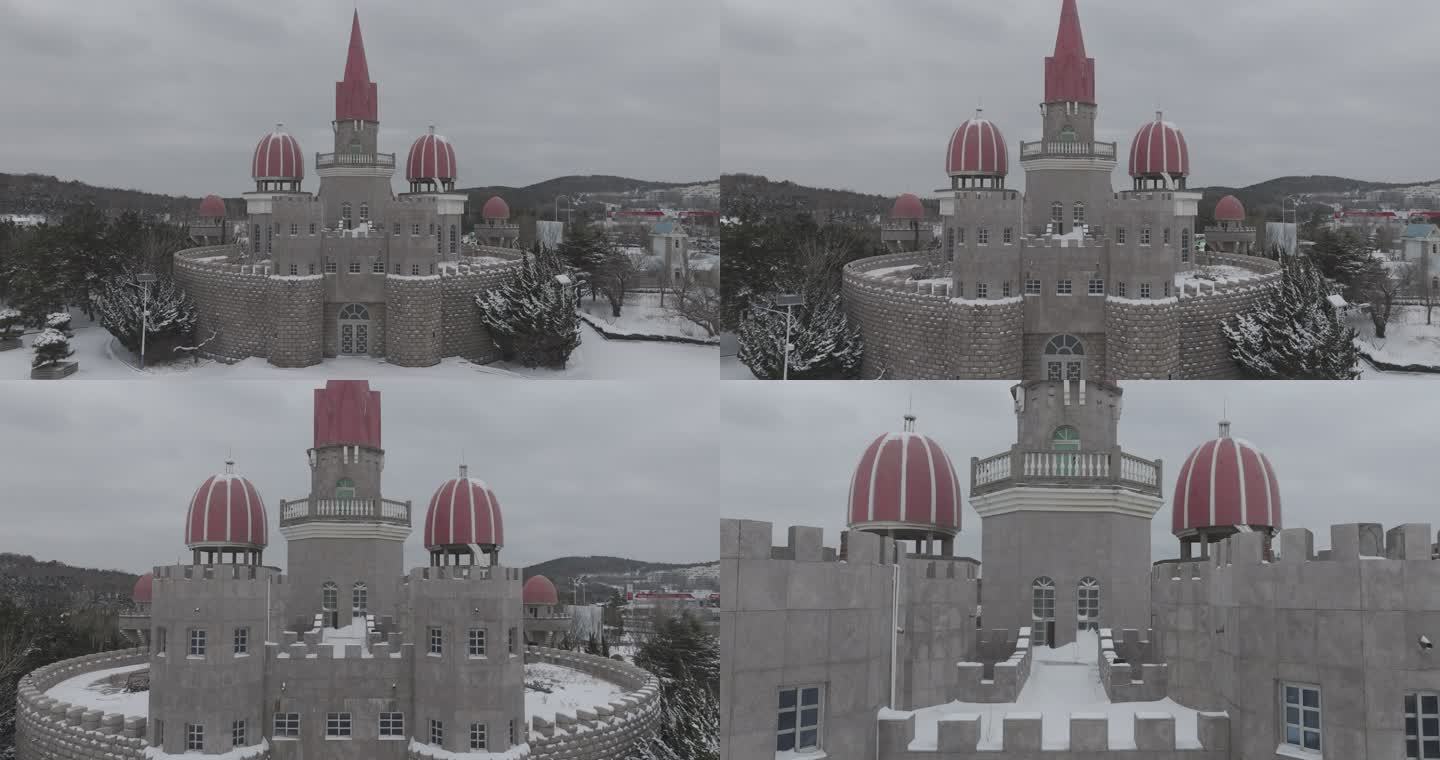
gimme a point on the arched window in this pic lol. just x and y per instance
(354, 311)
(359, 599)
(329, 596)
(1057, 212)
(1064, 358)
(1042, 610)
(1166, 239)
(1067, 134)
(1065, 438)
(355, 146)
(1087, 604)
(345, 215)
(1079, 213)
(344, 488)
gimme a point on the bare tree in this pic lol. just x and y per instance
(696, 299)
(1382, 286)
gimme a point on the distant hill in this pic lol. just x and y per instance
(28, 580)
(44, 194)
(605, 575)
(823, 202)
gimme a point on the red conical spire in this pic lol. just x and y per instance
(1069, 74)
(356, 96)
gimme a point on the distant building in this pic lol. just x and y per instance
(1422, 249)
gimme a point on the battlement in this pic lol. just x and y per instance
(962, 736)
(1128, 667)
(48, 727)
(219, 576)
(470, 573)
(751, 539)
(600, 731)
(990, 681)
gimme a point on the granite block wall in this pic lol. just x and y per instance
(1205, 352)
(231, 301)
(907, 333)
(295, 306)
(1142, 338)
(48, 729)
(608, 731)
(412, 320)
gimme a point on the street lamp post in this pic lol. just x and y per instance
(144, 278)
(789, 302)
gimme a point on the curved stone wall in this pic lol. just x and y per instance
(1205, 353)
(296, 308)
(232, 301)
(412, 321)
(1143, 338)
(49, 729)
(609, 730)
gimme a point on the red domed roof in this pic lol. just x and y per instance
(908, 206)
(213, 207)
(977, 148)
(1159, 149)
(1225, 482)
(539, 590)
(431, 157)
(1229, 209)
(226, 511)
(464, 511)
(278, 156)
(141, 594)
(495, 208)
(905, 481)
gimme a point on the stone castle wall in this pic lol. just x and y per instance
(254, 311)
(918, 331)
(49, 729)
(608, 731)
(959, 736)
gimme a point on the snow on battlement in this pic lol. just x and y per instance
(63, 719)
(995, 681)
(218, 577)
(1128, 669)
(1138, 734)
(603, 726)
(457, 573)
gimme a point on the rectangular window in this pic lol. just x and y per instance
(1120, 235)
(799, 719)
(959, 289)
(242, 640)
(982, 236)
(437, 732)
(312, 228)
(194, 737)
(1167, 289)
(395, 230)
(1302, 716)
(432, 267)
(397, 269)
(286, 724)
(1009, 235)
(330, 266)
(295, 269)
(512, 641)
(477, 736)
(312, 268)
(160, 640)
(1005, 289)
(415, 229)
(960, 235)
(1144, 236)
(197, 642)
(1167, 236)
(159, 733)
(377, 266)
(392, 725)
(1032, 287)
(982, 291)
(477, 642)
(294, 229)
(237, 734)
(432, 229)
(437, 640)
(354, 266)
(950, 239)
(513, 738)
(1144, 290)
(337, 724)
(415, 269)
(1120, 290)
(1064, 287)
(1097, 287)
(1422, 725)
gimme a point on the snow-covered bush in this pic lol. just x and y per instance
(1295, 334)
(51, 347)
(826, 345)
(10, 323)
(532, 318)
(170, 324)
(59, 320)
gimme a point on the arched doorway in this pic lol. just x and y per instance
(354, 325)
(1087, 604)
(1042, 611)
(1064, 359)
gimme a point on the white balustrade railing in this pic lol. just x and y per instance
(1137, 470)
(992, 470)
(1063, 465)
(384, 509)
(1066, 464)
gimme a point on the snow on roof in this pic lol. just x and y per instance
(239, 753)
(102, 690)
(429, 750)
(569, 690)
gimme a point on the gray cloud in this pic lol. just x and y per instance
(864, 95)
(1343, 452)
(102, 475)
(170, 96)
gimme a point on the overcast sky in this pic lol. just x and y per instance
(171, 96)
(1342, 452)
(102, 475)
(865, 95)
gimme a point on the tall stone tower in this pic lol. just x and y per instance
(355, 179)
(345, 540)
(1068, 167)
(1065, 541)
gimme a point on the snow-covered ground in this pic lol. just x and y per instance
(732, 369)
(1408, 341)
(642, 315)
(103, 358)
(570, 689)
(1213, 275)
(95, 690)
(1062, 682)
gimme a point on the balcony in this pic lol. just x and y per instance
(1081, 469)
(345, 510)
(1067, 150)
(365, 160)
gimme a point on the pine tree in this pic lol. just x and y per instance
(1296, 335)
(171, 319)
(686, 660)
(10, 324)
(51, 347)
(826, 345)
(532, 318)
(60, 320)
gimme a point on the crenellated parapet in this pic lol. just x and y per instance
(47, 728)
(1129, 668)
(1087, 736)
(601, 731)
(988, 680)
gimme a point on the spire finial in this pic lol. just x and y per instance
(230, 466)
(464, 472)
(1159, 114)
(909, 423)
(432, 129)
(1224, 428)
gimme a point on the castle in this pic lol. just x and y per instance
(354, 270)
(1252, 645)
(1070, 280)
(345, 654)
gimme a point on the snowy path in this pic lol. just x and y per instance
(570, 690)
(103, 358)
(93, 690)
(1063, 682)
